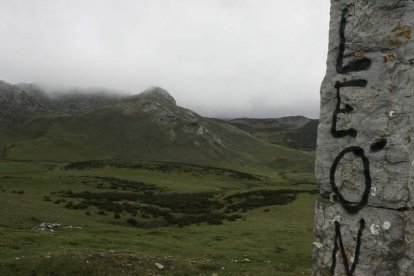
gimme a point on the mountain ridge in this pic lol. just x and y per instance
(148, 126)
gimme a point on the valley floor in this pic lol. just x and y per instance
(153, 218)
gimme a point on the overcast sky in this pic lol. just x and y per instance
(221, 58)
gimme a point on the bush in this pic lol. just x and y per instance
(47, 198)
(215, 219)
(132, 221)
(80, 206)
(234, 217)
(188, 203)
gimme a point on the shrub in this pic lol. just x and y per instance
(132, 221)
(188, 203)
(233, 217)
(81, 206)
(47, 198)
(215, 219)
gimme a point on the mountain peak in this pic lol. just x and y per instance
(155, 92)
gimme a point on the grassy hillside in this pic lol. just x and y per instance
(111, 134)
(122, 217)
(295, 132)
(148, 126)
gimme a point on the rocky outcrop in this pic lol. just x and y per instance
(79, 101)
(156, 93)
(364, 221)
(12, 96)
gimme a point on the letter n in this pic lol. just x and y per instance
(338, 244)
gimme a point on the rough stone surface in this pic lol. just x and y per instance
(364, 160)
(384, 250)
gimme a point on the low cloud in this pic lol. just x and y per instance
(222, 58)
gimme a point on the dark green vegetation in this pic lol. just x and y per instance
(121, 217)
(295, 132)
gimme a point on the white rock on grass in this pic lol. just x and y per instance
(159, 266)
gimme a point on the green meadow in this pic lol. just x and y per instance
(120, 217)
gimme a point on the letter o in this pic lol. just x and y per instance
(349, 206)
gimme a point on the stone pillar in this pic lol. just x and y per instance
(364, 221)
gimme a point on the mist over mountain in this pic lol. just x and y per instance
(84, 125)
(222, 59)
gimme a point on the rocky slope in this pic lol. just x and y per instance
(100, 125)
(296, 132)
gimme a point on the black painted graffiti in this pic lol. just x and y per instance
(338, 239)
(349, 206)
(379, 145)
(338, 110)
(354, 66)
